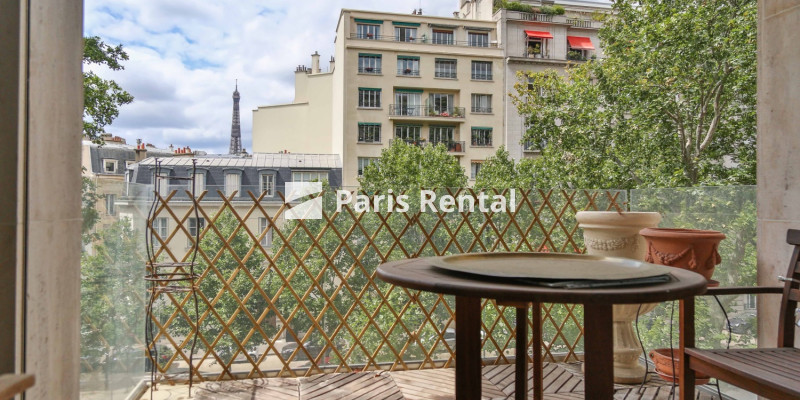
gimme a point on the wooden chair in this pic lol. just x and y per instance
(770, 372)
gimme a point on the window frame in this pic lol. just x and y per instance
(363, 162)
(160, 227)
(441, 134)
(479, 135)
(472, 39)
(447, 39)
(113, 162)
(475, 105)
(445, 68)
(111, 204)
(480, 72)
(408, 132)
(369, 98)
(263, 225)
(370, 31)
(370, 63)
(408, 66)
(405, 34)
(261, 180)
(318, 172)
(228, 184)
(192, 228)
(474, 169)
(369, 130)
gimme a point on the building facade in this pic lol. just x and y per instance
(425, 80)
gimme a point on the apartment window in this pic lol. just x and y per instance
(368, 31)
(482, 103)
(405, 34)
(441, 134)
(478, 39)
(750, 302)
(111, 205)
(445, 68)
(160, 228)
(309, 176)
(409, 133)
(441, 36)
(481, 136)
(474, 168)
(369, 63)
(263, 226)
(196, 225)
(369, 98)
(233, 183)
(199, 183)
(109, 166)
(407, 103)
(369, 132)
(408, 65)
(268, 184)
(441, 104)
(482, 70)
(363, 162)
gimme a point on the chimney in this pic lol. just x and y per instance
(332, 64)
(315, 63)
(140, 151)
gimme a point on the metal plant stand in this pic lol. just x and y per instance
(169, 277)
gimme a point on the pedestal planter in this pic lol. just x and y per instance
(695, 250)
(613, 234)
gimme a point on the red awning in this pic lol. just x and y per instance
(539, 34)
(580, 43)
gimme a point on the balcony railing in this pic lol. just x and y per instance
(582, 23)
(482, 110)
(416, 142)
(369, 70)
(425, 111)
(424, 39)
(407, 72)
(453, 146)
(298, 298)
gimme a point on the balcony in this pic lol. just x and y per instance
(369, 70)
(306, 301)
(453, 146)
(408, 72)
(401, 112)
(425, 40)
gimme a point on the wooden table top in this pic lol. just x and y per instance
(420, 274)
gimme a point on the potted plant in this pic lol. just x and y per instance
(407, 71)
(368, 69)
(616, 234)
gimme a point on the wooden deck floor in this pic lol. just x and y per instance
(561, 381)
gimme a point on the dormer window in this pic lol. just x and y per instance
(109, 166)
(268, 184)
(233, 183)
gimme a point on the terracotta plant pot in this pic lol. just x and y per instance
(691, 249)
(664, 362)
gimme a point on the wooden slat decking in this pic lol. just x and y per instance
(561, 381)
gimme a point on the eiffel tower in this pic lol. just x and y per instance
(236, 129)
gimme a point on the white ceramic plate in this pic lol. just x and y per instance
(549, 266)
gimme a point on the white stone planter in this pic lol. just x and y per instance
(613, 234)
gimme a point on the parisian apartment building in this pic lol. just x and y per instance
(425, 80)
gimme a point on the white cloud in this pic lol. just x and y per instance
(185, 55)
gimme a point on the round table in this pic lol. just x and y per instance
(420, 274)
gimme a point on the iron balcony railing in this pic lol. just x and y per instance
(426, 39)
(481, 76)
(425, 111)
(414, 141)
(453, 146)
(582, 23)
(445, 74)
(482, 110)
(408, 72)
(369, 70)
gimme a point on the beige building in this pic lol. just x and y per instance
(425, 80)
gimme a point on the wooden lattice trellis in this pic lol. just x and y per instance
(315, 283)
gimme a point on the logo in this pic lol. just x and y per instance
(309, 209)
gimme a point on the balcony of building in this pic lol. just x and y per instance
(574, 22)
(402, 112)
(425, 38)
(292, 307)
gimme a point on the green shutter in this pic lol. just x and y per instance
(369, 21)
(411, 125)
(369, 123)
(407, 90)
(408, 57)
(485, 128)
(369, 55)
(367, 89)
(398, 23)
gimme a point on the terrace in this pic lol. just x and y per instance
(297, 302)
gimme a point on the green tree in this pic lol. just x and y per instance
(671, 104)
(102, 98)
(91, 216)
(500, 172)
(406, 166)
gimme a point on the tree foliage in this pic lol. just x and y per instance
(102, 98)
(501, 172)
(671, 104)
(406, 166)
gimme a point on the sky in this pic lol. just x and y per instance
(186, 55)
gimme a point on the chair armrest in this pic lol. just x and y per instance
(12, 385)
(721, 291)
